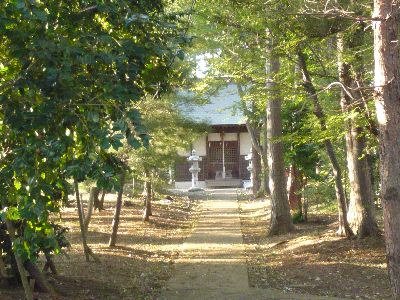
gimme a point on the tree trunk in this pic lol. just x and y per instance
(281, 221)
(256, 172)
(20, 265)
(49, 264)
(3, 271)
(96, 200)
(149, 194)
(94, 194)
(118, 205)
(361, 207)
(264, 160)
(103, 195)
(41, 283)
(305, 208)
(344, 228)
(259, 142)
(295, 187)
(360, 214)
(86, 249)
(387, 95)
(259, 159)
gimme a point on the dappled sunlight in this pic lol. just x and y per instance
(312, 259)
(299, 242)
(141, 261)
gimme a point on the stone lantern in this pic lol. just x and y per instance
(195, 170)
(250, 166)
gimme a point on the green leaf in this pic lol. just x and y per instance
(13, 214)
(116, 144)
(105, 144)
(17, 184)
(118, 136)
(134, 142)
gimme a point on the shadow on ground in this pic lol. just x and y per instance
(136, 269)
(312, 260)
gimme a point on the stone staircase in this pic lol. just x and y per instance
(227, 182)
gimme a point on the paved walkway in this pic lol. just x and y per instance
(212, 264)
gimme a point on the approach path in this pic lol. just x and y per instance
(212, 262)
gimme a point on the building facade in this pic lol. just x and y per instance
(223, 150)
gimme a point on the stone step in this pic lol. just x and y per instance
(231, 182)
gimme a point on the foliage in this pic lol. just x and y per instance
(70, 73)
(301, 148)
(238, 55)
(169, 130)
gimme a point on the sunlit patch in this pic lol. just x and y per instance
(312, 260)
(380, 112)
(143, 258)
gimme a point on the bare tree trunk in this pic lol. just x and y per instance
(256, 172)
(40, 282)
(3, 271)
(387, 95)
(264, 160)
(115, 223)
(256, 150)
(281, 221)
(305, 204)
(149, 194)
(103, 195)
(260, 163)
(86, 249)
(49, 264)
(94, 193)
(20, 265)
(344, 228)
(295, 187)
(360, 214)
(96, 200)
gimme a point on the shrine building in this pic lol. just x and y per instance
(223, 150)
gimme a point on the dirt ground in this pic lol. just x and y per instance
(312, 260)
(136, 269)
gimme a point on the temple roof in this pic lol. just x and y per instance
(221, 109)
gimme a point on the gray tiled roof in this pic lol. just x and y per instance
(221, 109)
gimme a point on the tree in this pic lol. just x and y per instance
(147, 212)
(81, 215)
(360, 215)
(169, 131)
(118, 205)
(387, 95)
(302, 153)
(237, 57)
(281, 221)
(71, 73)
(344, 228)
